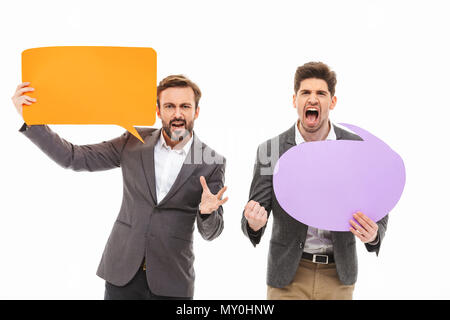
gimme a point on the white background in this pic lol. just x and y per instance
(391, 59)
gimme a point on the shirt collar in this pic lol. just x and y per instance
(299, 138)
(162, 144)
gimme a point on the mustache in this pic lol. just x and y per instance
(177, 120)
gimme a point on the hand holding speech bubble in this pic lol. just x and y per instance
(323, 183)
(91, 85)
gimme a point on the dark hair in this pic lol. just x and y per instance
(177, 80)
(318, 70)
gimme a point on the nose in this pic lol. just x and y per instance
(178, 112)
(312, 100)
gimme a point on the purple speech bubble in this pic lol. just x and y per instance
(323, 183)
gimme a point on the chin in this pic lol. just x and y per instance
(180, 133)
(314, 129)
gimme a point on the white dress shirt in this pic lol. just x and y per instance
(168, 163)
(318, 241)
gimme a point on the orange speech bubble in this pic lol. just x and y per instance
(91, 85)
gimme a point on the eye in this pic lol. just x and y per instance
(186, 106)
(168, 106)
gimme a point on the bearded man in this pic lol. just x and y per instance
(169, 183)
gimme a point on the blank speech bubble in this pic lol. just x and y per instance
(91, 85)
(323, 183)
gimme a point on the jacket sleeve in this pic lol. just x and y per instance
(210, 225)
(382, 226)
(93, 157)
(260, 191)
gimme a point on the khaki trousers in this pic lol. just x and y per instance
(313, 282)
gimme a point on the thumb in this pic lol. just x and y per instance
(203, 183)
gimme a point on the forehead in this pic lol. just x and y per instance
(177, 95)
(313, 84)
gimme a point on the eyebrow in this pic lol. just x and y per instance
(318, 91)
(181, 104)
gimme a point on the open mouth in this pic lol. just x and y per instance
(312, 116)
(177, 124)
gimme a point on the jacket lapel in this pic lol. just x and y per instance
(148, 162)
(288, 140)
(190, 164)
(338, 132)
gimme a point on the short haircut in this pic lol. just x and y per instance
(178, 80)
(318, 70)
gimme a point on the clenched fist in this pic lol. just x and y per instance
(256, 215)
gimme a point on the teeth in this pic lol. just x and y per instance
(312, 109)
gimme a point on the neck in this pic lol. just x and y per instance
(175, 144)
(318, 135)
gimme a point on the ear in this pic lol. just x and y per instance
(333, 102)
(197, 111)
(293, 101)
(158, 112)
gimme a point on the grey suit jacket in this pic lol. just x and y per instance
(162, 232)
(288, 234)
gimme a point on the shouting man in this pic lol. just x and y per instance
(306, 262)
(170, 182)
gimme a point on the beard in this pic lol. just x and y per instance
(178, 134)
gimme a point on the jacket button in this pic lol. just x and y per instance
(301, 245)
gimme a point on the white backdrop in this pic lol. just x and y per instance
(391, 59)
